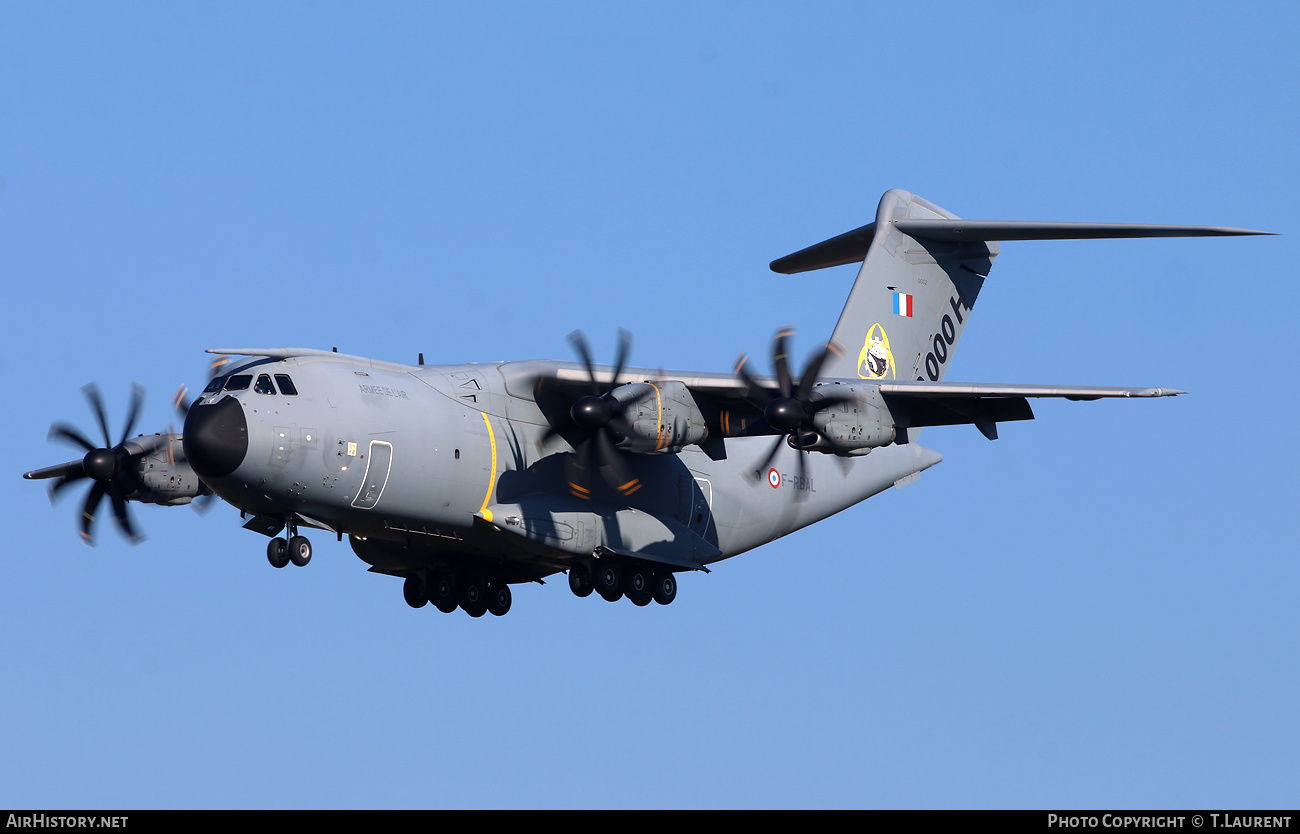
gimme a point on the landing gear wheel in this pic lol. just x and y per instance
(277, 552)
(299, 551)
(608, 582)
(498, 599)
(664, 587)
(636, 585)
(442, 593)
(580, 582)
(413, 591)
(472, 599)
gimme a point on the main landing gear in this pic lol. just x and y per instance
(637, 581)
(474, 595)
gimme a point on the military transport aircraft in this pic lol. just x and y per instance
(466, 479)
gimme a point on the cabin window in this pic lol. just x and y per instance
(239, 382)
(264, 385)
(286, 385)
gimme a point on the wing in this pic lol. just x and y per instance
(933, 390)
(919, 404)
(723, 402)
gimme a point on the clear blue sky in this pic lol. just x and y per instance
(1099, 609)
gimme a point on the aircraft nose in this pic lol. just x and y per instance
(216, 438)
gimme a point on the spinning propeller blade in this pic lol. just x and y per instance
(599, 421)
(790, 408)
(111, 467)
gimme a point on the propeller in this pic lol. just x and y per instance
(181, 399)
(790, 408)
(599, 421)
(111, 467)
(181, 402)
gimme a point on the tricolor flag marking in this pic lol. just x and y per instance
(902, 304)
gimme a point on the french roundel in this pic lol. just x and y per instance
(774, 478)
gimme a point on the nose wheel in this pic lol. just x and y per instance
(277, 552)
(297, 550)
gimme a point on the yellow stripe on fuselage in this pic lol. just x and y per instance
(492, 476)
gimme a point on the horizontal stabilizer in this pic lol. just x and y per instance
(852, 247)
(848, 248)
(958, 230)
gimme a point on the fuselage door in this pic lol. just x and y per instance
(702, 506)
(378, 463)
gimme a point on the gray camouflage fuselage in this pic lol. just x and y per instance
(464, 479)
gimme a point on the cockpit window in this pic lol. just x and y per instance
(264, 385)
(215, 385)
(286, 385)
(239, 382)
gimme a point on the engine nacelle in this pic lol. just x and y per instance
(664, 419)
(856, 426)
(166, 471)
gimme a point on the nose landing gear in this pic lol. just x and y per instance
(297, 549)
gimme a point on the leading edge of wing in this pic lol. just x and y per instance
(727, 386)
(716, 384)
(988, 389)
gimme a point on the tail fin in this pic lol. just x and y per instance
(912, 298)
(922, 269)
